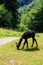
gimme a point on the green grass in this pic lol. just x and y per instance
(9, 33)
(31, 56)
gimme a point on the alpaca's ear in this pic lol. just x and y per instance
(16, 42)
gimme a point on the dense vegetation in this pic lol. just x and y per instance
(33, 19)
(29, 16)
(9, 11)
(6, 17)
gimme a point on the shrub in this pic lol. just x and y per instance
(22, 27)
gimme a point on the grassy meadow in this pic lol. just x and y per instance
(9, 33)
(9, 55)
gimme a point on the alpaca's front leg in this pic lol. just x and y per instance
(26, 43)
(23, 45)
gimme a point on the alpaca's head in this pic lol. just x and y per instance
(17, 45)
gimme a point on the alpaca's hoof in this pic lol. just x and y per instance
(37, 46)
(22, 48)
(31, 45)
(17, 48)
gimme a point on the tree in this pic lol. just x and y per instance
(37, 22)
(12, 5)
(39, 18)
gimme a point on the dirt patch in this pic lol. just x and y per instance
(14, 62)
(7, 39)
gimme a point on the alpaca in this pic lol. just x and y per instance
(25, 36)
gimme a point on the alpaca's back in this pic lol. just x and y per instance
(28, 34)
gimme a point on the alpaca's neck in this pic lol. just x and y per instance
(20, 40)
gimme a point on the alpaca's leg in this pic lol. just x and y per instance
(32, 42)
(27, 43)
(36, 43)
(23, 44)
(18, 45)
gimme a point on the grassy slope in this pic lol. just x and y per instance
(33, 56)
(8, 33)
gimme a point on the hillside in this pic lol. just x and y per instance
(29, 6)
(31, 16)
(24, 2)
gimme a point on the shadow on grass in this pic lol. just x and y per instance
(31, 49)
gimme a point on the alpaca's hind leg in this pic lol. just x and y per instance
(32, 42)
(36, 43)
(27, 43)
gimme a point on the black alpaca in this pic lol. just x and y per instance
(26, 35)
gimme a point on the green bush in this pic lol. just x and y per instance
(22, 27)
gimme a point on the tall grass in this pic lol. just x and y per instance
(9, 33)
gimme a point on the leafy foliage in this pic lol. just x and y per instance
(39, 19)
(12, 5)
(28, 7)
(33, 19)
(6, 18)
(27, 17)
